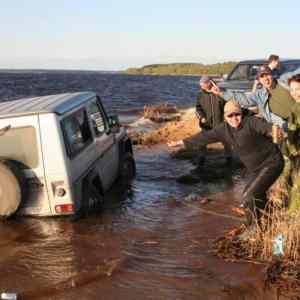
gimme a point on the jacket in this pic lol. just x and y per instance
(281, 102)
(252, 141)
(291, 145)
(258, 98)
(211, 108)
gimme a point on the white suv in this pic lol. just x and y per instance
(59, 154)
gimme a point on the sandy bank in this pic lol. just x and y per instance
(171, 131)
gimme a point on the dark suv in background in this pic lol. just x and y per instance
(242, 76)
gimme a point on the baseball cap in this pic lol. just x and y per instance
(232, 107)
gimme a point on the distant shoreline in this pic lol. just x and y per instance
(183, 69)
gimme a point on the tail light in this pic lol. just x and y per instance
(64, 208)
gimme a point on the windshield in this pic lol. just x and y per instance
(19, 143)
(289, 67)
(244, 72)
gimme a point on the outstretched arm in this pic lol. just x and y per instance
(244, 99)
(202, 139)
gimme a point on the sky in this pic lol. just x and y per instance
(120, 34)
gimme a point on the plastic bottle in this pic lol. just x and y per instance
(275, 130)
(9, 296)
(278, 245)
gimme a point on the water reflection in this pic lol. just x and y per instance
(147, 242)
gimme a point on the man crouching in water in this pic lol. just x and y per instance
(250, 138)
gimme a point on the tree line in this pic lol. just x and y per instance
(217, 69)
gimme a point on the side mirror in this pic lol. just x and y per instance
(114, 123)
(225, 76)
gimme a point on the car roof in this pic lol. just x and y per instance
(58, 104)
(263, 61)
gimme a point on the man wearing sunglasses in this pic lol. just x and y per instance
(250, 138)
(273, 101)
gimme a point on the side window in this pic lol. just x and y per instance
(288, 67)
(77, 132)
(253, 71)
(239, 73)
(97, 118)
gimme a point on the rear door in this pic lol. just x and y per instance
(22, 143)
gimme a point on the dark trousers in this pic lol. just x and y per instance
(254, 195)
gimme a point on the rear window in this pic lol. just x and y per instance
(20, 143)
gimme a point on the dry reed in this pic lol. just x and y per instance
(275, 221)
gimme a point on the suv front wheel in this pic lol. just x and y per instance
(127, 166)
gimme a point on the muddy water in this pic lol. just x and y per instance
(149, 242)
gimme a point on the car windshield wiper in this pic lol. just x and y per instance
(4, 129)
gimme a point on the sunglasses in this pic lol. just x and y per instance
(233, 115)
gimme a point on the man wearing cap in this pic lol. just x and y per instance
(250, 138)
(273, 101)
(210, 111)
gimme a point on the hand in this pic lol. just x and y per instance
(277, 134)
(175, 144)
(216, 90)
(239, 211)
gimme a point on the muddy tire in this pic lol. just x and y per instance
(12, 188)
(127, 167)
(92, 200)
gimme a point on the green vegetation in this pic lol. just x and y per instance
(183, 69)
